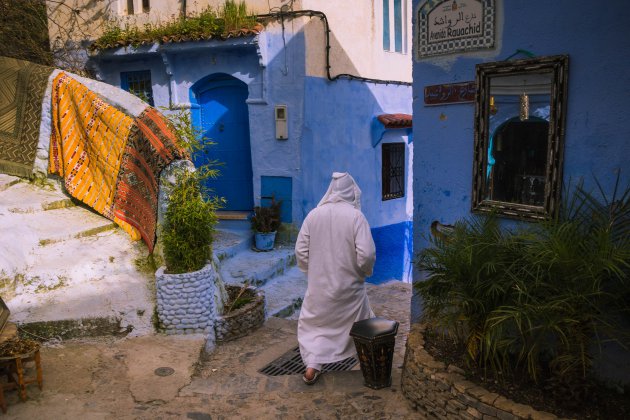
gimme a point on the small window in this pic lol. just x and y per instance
(393, 17)
(386, 25)
(130, 10)
(393, 170)
(138, 83)
(146, 6)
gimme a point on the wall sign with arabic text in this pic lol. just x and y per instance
(453, 93)
(449, 26)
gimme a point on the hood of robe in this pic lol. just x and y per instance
(342, 188)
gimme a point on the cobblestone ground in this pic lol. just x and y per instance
(230, 377)
(110, 378)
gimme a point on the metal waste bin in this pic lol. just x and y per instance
(374, 339)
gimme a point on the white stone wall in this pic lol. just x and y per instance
(356, 26)
(356, 40)
(185, 302)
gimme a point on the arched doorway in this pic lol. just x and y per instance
(223, 117)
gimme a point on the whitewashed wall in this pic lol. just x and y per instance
(356, 40)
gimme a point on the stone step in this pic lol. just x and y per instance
(284, 294)
(65, 329)
(229, 242)
(23, 197)
(66, 223)
(256, 268)
(88, 277)
(7, 181)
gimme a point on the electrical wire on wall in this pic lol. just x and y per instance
(280, 11)
(285, 12)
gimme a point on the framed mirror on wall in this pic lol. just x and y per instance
(519, 137)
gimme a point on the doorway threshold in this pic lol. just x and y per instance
(233, 215)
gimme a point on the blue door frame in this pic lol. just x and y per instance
(220, 111)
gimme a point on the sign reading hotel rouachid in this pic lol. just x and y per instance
(449, 26)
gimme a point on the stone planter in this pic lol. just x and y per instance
(185, 302)
(242, 321)
(440, 391)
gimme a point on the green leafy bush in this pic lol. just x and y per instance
(188, 229)
(189, 226)
(535, 300)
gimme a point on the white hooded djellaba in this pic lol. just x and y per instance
(336, 250)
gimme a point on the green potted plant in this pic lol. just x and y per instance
(188, 230)
(536, 302)
(189, 289)
(265, 224)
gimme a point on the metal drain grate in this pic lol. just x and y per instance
(291, 363)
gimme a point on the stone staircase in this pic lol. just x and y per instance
(273, 272)
(65, 270)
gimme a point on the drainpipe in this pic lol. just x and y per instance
(171, 83)
(182, 10)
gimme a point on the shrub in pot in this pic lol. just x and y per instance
(188, 283)
(537, 300)
(265, 224)
(188, 230)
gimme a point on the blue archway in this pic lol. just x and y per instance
(220, 110)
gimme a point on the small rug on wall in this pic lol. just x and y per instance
(22, 88)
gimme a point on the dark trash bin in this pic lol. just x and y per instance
(374, 339)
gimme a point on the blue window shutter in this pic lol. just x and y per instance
(398, 24)
(386, 25)
(280, 188)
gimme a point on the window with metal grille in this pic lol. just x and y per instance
(130, 10)
(146, 6)
(138, 83)
(393, 170)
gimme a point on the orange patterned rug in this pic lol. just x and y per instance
(107, 159)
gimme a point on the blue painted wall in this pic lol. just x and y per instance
(597, 137)
(329, 125)
(337, 138)
(394, 251)
(259, 62)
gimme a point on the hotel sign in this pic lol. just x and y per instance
(445, 27)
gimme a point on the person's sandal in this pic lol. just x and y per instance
(311, 381)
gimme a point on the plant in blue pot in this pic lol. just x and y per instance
(265, 224)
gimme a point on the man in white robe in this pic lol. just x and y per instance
(336, 250)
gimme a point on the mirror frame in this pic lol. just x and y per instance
(558, 66)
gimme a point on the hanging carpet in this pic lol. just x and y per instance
(136, 200)
(106, 161)
(22, 87)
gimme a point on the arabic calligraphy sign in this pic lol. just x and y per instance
(453, 93)
(449, 26)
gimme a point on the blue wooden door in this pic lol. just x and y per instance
(224, 120)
